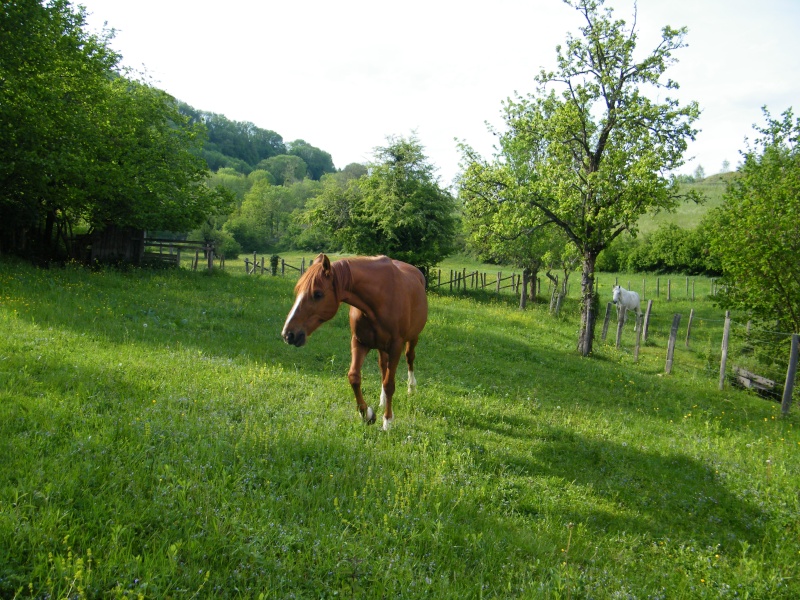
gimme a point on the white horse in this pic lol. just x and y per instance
(628, 300)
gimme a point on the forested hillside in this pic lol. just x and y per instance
(242, 146)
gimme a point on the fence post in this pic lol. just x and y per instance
(689, 326)
(725, 335)
(673, 334)
(499, 277)
(638, 338)
(791, 373)
(196, 260)
(606, 320)
(620, 323)
(646, 325)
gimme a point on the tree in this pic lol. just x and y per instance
(398, 209)
(147, 173)
(757, 232)
(284, 168)
(51, 75)
(590, 151)
(82, 145)
(317, 161)
(502, 230)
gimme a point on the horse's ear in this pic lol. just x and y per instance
(326, 263)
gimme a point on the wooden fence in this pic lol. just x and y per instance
(172, 252)
(738, 374)
(276, 264)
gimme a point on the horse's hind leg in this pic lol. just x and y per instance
(383, 363)
(388, 362)
(410, 356)
(358, 353)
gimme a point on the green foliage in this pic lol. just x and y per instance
(398, 209)
(668, 249)
(82, 146)
(238, 144)
(317, 161)
(158, 444)
(285, 169)
(588, 150)
(757, 229)
(266, 216)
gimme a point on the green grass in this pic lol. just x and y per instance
(689, 214)
(159, 440)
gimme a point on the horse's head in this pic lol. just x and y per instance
(315, 302)
(616, 294)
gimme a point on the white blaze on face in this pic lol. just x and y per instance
(294, 310)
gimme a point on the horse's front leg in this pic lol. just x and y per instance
(388, 362)
(358, 352)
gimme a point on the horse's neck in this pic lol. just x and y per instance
(354, 285)
(342, 278)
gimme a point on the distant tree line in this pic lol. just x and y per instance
(242, 146)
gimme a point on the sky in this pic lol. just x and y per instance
(344, 75)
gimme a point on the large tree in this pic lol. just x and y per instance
(591, 151)
(82, 144)
(318, 161)
(398, 208)
(757, 228)
(51, 75)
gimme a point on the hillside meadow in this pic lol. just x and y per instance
(689, 214)
(159, 440)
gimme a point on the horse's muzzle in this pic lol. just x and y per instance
(295, 339)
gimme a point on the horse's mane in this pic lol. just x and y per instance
(312, 278)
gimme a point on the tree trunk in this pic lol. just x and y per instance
(588, 301)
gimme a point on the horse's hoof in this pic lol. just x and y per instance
(387, 423)
(369, 416)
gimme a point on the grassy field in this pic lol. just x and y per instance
(158, 440)
(689, 214)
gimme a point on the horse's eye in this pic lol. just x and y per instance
(318, 295)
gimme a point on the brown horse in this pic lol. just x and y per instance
(388, 310)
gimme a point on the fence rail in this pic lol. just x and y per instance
(171, 251)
